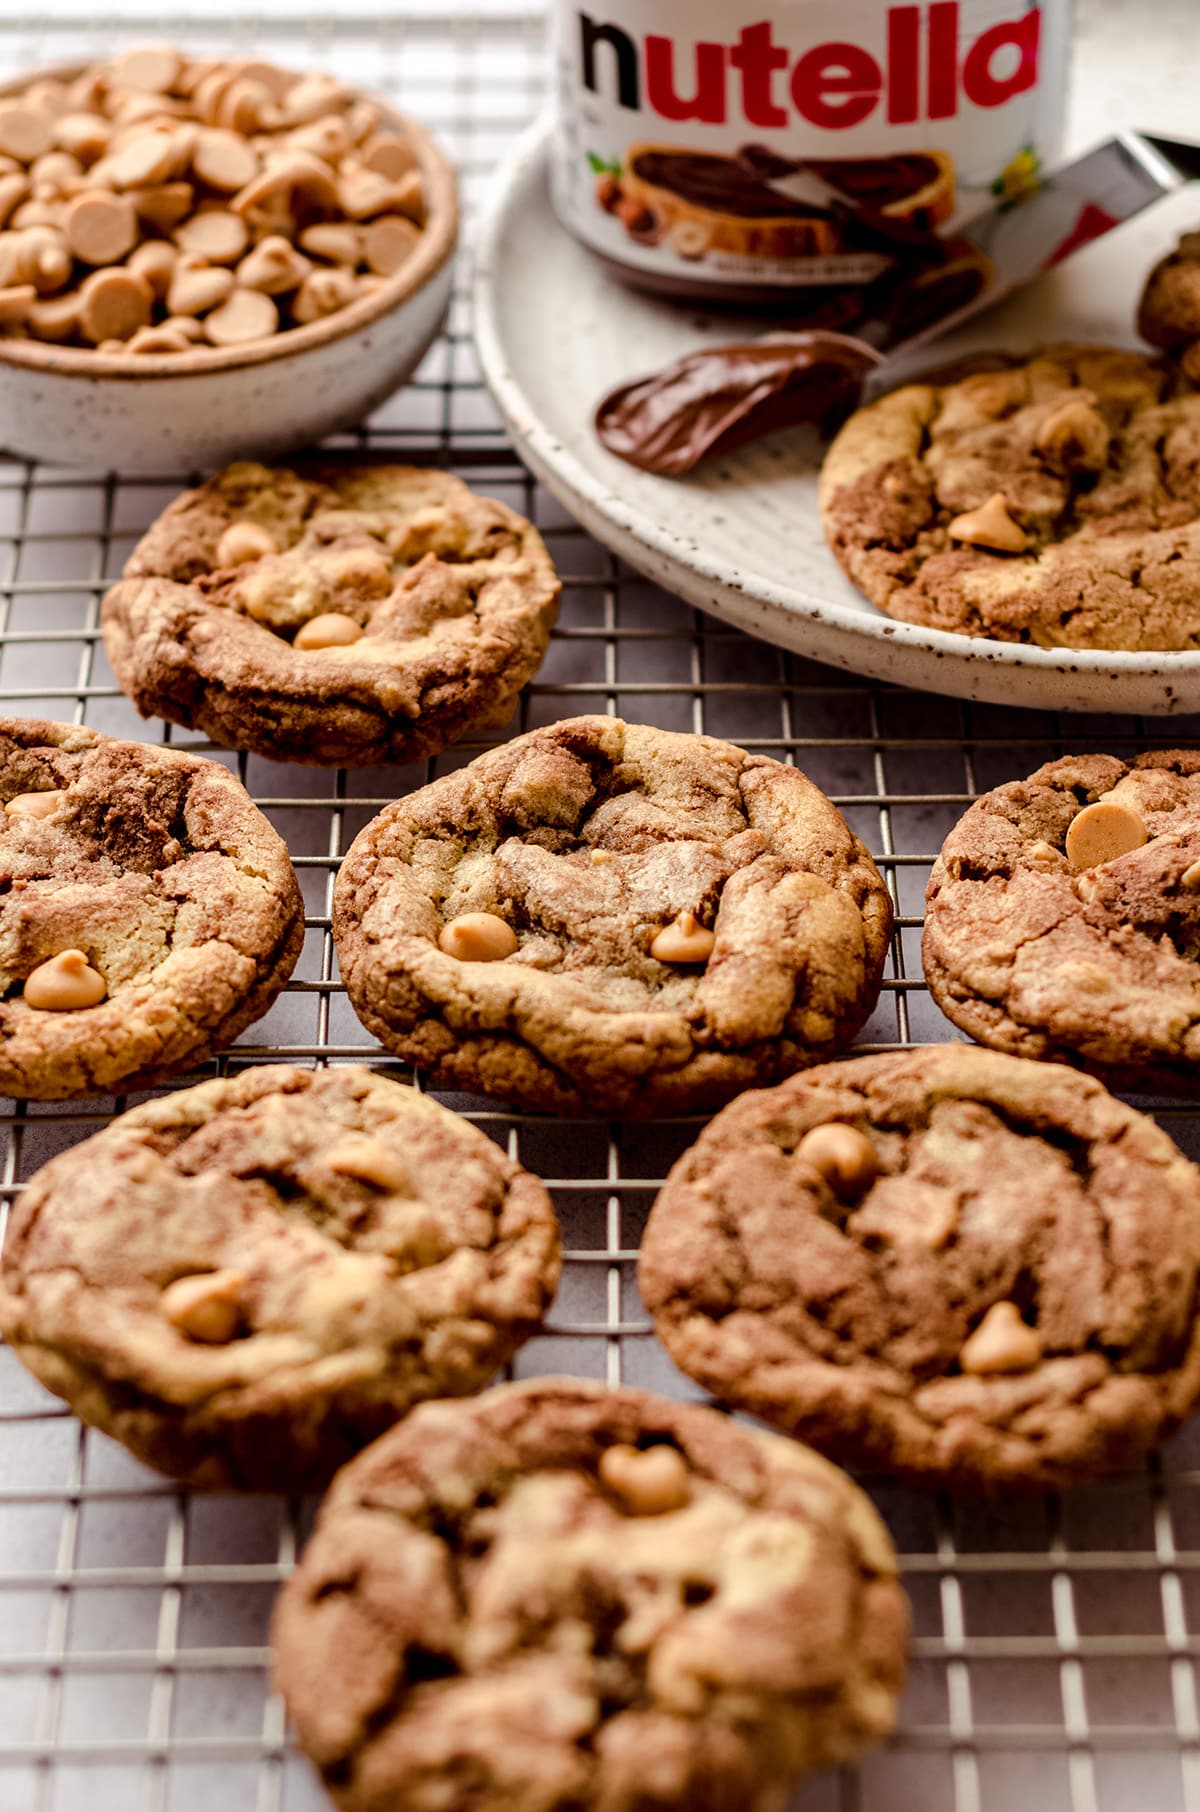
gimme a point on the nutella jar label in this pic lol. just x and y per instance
(701, 142)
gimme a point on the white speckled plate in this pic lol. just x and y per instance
(742, 539)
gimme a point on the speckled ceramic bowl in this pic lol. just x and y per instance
(178, 411)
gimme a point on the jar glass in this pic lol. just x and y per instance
(752, 152)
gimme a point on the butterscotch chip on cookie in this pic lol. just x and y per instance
(1053, 502)
(1006, 1296)
(587, 1600)
(148, 911)
(605, 918)
(251, 1279)
(1063, 918)
(443, 604)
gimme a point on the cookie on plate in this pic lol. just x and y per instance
(957, 1267)
(339, 614)
(1055, 501)
(149, 913)
(605, 918)
(251, 1279)
(587, 1600)
(1063, 918)
(1169, 309)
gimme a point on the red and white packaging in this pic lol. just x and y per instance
(714, 146)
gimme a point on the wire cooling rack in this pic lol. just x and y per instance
(1056, 1640)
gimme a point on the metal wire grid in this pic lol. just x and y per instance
(1056, 1640)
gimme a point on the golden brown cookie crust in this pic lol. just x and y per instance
(479, 1604)
(159, 867)
(455, 596)
(1096, 454)
(1018, 1194)
(345, 1299)
(1096, 968)
(589, 838)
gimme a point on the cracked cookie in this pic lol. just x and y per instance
(249, 1280)
(562, 1598)
(148, 911)
(960, 1268)
(605, 918)
(1063, 919)
(1053, 502)
(337, 615)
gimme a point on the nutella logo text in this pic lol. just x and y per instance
(926, 72)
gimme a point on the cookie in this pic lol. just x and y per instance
(1063, 918)
(605, 918)
(562, 1598)
(959, 1268)
(148, 911)
(249, 1280)
(1169, 309)
(1055, 502)
(340, 615)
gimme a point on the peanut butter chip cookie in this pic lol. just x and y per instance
(249, 1280)
(1001, 1291)
(1056, 502)
(148, 911)
(606, 918)
(350, 614)
(1063, 918)
(561, 1598)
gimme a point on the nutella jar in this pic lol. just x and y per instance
(800, 153)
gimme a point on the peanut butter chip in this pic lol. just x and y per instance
(163, 204)
(1102, 832)
(370, 1160)
(246, 315)
(684, 941)
(243, 542)
(330, 630)
(35, 805)
(216, 234)
(153, 67)
(114, 303)
(197, 286)
(1074, 437)
(389, 242)
(150, 157)
(1001, 1343)
(389, 155)
(205, 1308)
(1190, 878)
(100, 227)
(274, 266)
(223, 160)
(990, 526)
(16, 299)
(84, 135)
(64, 984)
(24, 132)
(154, 261)
(843, 1155)
(478, 937)
(332, 239)
(649, 1482)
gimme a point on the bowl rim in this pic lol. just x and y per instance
(439, 241)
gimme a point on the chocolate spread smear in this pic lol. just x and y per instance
(720, 398)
